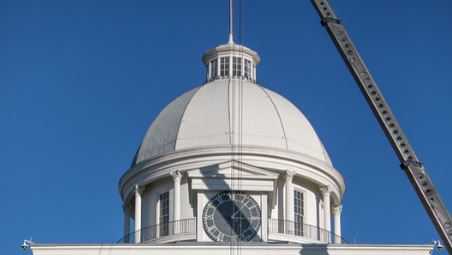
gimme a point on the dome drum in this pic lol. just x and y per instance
(262, 173)
(277, 161)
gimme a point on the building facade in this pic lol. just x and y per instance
(231, 166)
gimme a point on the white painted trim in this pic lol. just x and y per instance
(291, 238)
(183, 160)
(226, 170)
(173, 238)
(317, 249)
(217, 184)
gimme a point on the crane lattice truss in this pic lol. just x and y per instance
(413, 167)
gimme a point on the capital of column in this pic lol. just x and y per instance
(138, 189)
(289, 175)
(337, 209)
(325, 190)
(176, 174)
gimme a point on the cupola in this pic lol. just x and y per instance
(231, 61)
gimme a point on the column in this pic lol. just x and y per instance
(337, 223)
(217, 74)
(126, 225)
(230, 65)
(177, 176)
(289, 203)
(137, 214)
(242, 67)
(327, 212)
(210, 75)
(254, 72)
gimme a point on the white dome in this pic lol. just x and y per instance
(231, 112)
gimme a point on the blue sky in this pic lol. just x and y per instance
(80, 81)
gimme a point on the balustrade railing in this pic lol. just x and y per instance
(161, 231)
(310, 232)
(185, 229)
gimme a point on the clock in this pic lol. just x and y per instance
(232, 216)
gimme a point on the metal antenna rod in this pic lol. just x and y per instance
(231, 22)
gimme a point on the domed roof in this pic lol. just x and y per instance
(231, 112)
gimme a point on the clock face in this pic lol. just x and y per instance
(232, 216)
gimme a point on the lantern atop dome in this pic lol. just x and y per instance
(231, 60)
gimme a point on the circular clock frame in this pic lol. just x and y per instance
(232, 216)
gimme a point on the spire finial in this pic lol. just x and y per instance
(231, 22)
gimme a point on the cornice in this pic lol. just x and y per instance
(210, 153)
(203, 248)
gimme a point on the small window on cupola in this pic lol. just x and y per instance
(213, 69)
(224, 66)
(247, 73)
(236, 66)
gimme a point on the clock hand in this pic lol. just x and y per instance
(239, 211)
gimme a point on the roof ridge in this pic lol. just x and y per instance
(179, 123)
(277, 113)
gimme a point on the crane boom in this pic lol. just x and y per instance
(413, 167)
